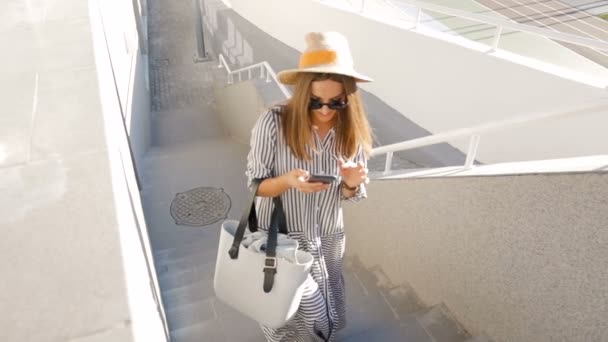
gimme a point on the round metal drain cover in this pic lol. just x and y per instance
(200, 206)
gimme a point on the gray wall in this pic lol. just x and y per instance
(521, 258)
(139, 123)
(238, 117)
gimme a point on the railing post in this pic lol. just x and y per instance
(418, 17)
(268, 76)
(389, 162)
(261, 70)
(230, 79)
(249, 73)
(201, 52)
(240, 77)
(472, 152)
(496, 38)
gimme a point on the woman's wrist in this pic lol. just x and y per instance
(348, 187)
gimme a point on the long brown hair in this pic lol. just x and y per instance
(352, 127)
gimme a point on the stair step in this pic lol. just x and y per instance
(406, 330)
(373, 300)
(402, 299)
(190, 314)
(162, 241)
(208, 331)
(182, 260)
(248, 330)
(173, 266)
(440, 324)
(203, 243)
(197, 291)
(174, 127)
(184, 277)
(185, 263)
(364, 309)
(479, 338)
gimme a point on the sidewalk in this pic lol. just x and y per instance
(527, 45)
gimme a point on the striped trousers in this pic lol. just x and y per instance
(322, 309)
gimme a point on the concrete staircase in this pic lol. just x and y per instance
(189, 150)
(377, 310)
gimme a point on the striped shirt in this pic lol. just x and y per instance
(314, 214)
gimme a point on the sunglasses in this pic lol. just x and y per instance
(333, 104)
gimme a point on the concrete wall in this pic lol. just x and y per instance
(521, 258)
(138, 118)
(129, 71)
(126, 108)
(238, 117)
(440, 85)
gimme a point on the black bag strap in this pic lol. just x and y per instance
(282, 219)
(246, 218)
(278, 223)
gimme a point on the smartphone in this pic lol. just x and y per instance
(327, 179)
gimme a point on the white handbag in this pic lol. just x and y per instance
(265, 287)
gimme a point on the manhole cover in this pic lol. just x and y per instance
(200, 206)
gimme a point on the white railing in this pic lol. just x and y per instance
(500, 24)
(264, 70)
(475, 131)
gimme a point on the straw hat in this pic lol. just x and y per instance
(326, 52)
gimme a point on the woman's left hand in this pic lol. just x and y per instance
(352, 174)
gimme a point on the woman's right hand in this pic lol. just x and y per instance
(298, 179)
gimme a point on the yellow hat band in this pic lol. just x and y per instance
(314, 58)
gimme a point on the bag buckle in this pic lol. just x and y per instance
(270, 263)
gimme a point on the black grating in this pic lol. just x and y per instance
(200, 206)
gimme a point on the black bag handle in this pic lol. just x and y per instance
(278, 223)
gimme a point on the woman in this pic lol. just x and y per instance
(322, 129)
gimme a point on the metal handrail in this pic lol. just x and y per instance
(475, 131)
(499, 23)
(269, 74)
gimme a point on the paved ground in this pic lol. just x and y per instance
(523, 44)
(559, 17)
(594, 7)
